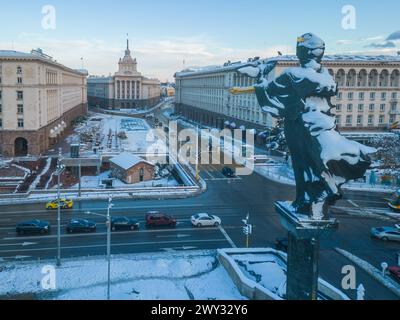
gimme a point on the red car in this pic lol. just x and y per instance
(157, 219)
(395, 272)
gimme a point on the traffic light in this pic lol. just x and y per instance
(248, 229)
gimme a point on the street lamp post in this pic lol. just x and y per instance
(59, 170)
(108, 224)
(109, 246)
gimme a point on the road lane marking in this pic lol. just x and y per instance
(353, 203)
(24, 244)
(227, 237)
(113, 233)
(116, 207)
(175, 236)
(117, 245)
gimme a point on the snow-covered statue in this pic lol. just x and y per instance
(323, 160)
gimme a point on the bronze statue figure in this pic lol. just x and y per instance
(323, 160)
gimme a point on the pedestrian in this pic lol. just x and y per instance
(372, 178)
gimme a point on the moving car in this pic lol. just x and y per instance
(64, 204)
(394, 202)
(386, 233)
(205, 220)
(282, 244)
(81, 225)
(395, 272)
(124, 223)
(157, 219)
(33, 227)
(228, 172)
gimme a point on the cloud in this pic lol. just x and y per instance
(394, 36)
(377, 38)
(387, 44)
(344, 42)
(156, 58)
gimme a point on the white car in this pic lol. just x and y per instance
(205, 220)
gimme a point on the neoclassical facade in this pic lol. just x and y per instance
(39, 101)
(126, 89)
(368, 98)
(369, 90)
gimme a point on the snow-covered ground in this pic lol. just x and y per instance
(138, 136)
(93, 182)
(284, 174)
(266, 269)
(164, 276)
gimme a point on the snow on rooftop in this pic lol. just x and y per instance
(327, 58)
(127, 160)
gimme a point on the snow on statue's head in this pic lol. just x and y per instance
(310, 48)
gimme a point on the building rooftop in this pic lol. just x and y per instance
(127, 160)
(36, 54)
(228, 66)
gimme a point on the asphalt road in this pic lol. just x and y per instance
(231, 199)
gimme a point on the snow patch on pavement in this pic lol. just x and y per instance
(162, 276)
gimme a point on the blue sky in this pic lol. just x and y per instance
(203, 32)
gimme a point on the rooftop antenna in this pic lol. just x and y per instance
(184, 64)
(82, 63)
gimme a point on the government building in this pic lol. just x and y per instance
(39, 101)
(368, 98)
(127, 89)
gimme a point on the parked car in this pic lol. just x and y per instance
(281, 244)
(33, 227)
(64, 204)
(386, 233)
(157, 219)
(395, 272)
(205, 220)
(81, 225)
(228, 172)
(124, 223)
(394, 203)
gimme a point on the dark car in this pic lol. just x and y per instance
(395, 272)
(81, 225)
(228, 172)
(281, 244)
(33, 227)
(157, 219)
(124, 223)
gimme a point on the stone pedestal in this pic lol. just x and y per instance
(303, 251)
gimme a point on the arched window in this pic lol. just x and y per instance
(341, 77)
(384, 78)
(395, 78)
(362, 78)
(351, 78)
(373, 78)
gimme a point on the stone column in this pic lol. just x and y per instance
(134, 95)
(303, 251)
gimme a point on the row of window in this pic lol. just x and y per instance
(372, 95)
(360, 120)
(20, 95)
(20, 123)
(360, 107)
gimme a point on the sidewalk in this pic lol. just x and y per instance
(284, 174)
